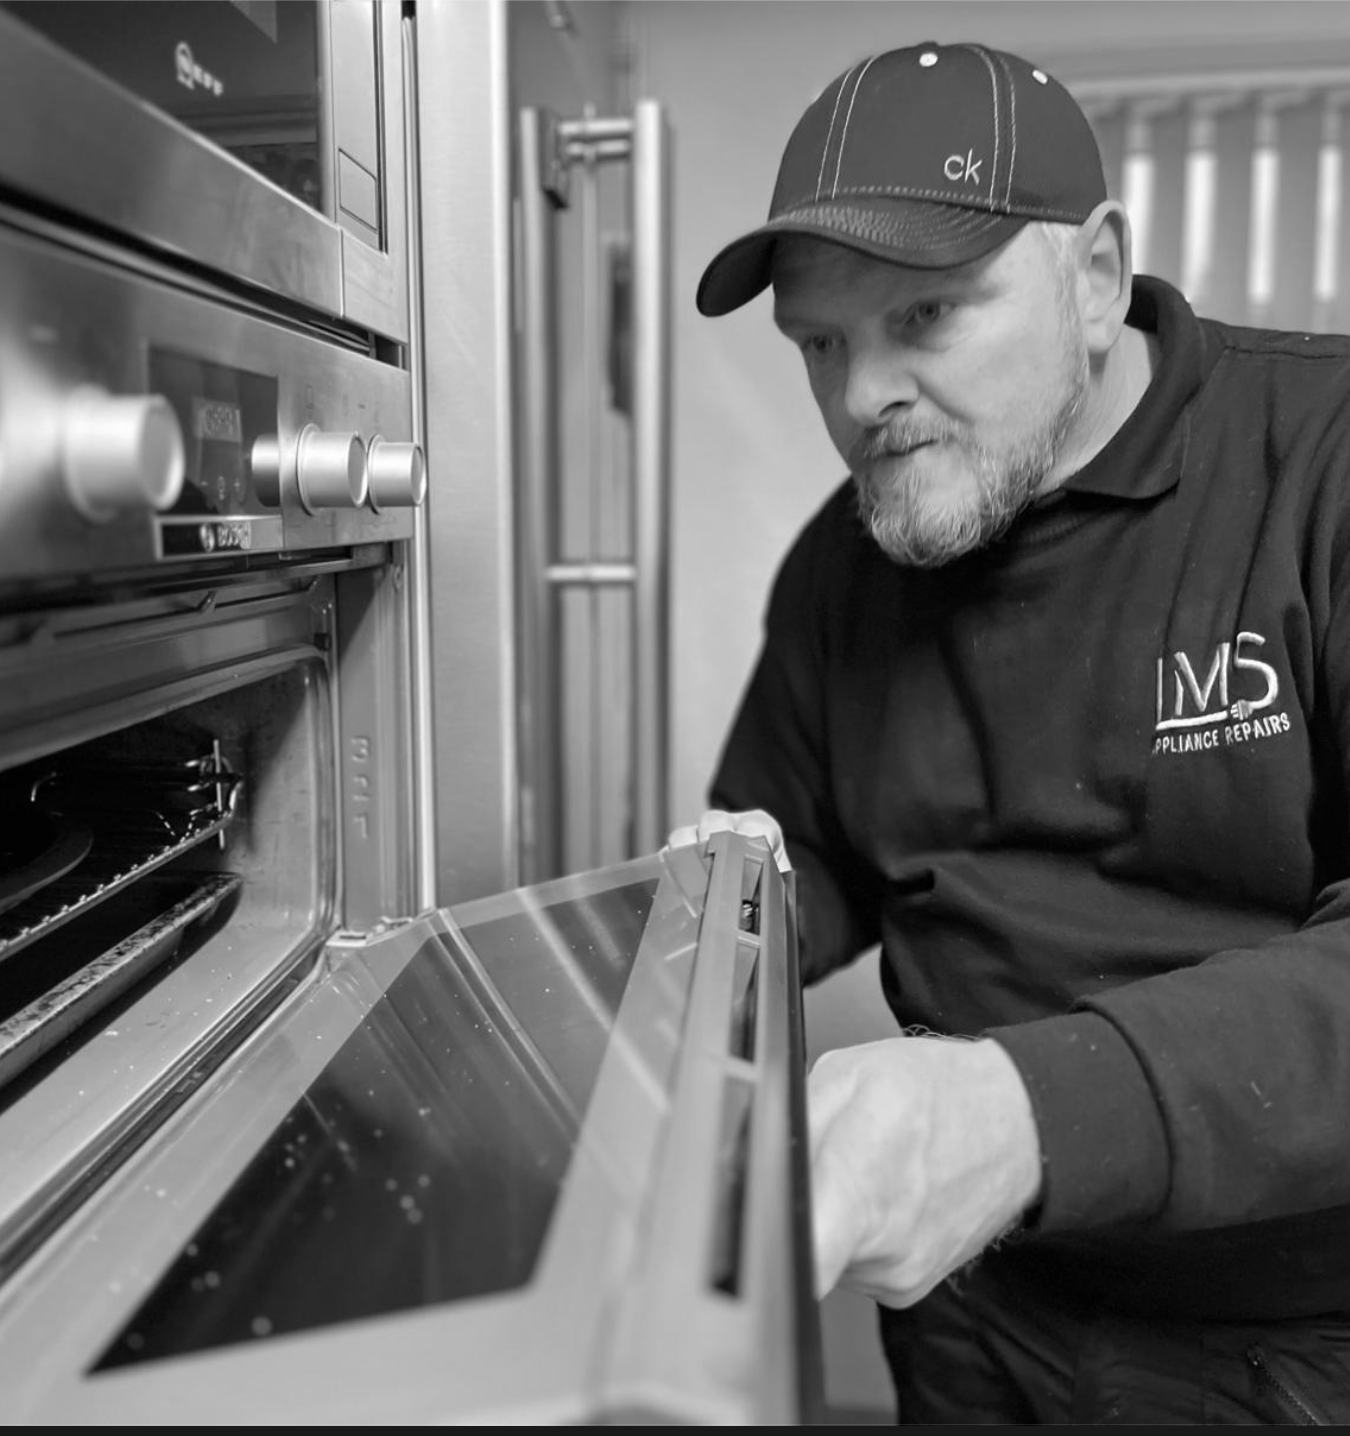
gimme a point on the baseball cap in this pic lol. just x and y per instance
(929, 156)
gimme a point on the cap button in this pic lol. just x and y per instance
(928, 58)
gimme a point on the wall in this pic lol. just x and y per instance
(751, 461)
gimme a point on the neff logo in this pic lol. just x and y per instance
(1229, 705)
(963, 167)
(190, 73)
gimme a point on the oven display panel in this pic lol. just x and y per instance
(221, 411)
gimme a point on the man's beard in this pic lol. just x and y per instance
(894, 505)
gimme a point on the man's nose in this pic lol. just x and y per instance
(881, 383)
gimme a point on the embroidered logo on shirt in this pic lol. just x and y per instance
(1233, 703)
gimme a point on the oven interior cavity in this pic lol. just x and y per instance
(120, 856)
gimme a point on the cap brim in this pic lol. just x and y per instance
(916, 233)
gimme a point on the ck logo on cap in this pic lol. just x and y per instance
(963, 167)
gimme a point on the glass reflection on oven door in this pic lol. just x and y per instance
(536, 1158)
(432, 1147)
(244, 74)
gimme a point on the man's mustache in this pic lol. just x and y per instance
(897, 438)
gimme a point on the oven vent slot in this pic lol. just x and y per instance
(103, 825)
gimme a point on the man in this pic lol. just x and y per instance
(1054, 704)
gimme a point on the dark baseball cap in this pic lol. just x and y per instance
(930, 156)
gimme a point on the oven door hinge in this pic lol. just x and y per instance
(347, 939)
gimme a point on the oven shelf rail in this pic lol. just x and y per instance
(141, 817)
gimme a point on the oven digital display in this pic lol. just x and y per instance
(221, 411)
(424, 1163)
(222, 423)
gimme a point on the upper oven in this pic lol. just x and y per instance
(146, 421)
(260, 139)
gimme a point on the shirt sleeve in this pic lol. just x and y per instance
(776, 758)
(1216, 1095)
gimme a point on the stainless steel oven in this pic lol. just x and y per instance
(261, 139)
(287, 1136)
(151, 422)
(280, 1148)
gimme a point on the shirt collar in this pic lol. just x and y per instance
(1144, 457)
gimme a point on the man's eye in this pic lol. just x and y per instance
(929, 312)
(816, 346)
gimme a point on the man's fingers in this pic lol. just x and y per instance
(829, 1087)
(836, 1208)
(754, 823)
(835, 1214)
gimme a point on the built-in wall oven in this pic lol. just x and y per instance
(259, 138)
(285, 1138)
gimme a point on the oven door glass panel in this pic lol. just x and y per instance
(537, 1158)
(244, 74)
(435, 1141)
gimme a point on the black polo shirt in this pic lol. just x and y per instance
(1087, 788)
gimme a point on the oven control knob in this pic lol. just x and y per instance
(265, 469)
(120, 452)
(397, 473)
(330, 469)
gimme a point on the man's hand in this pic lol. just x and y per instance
(754, 823)
(923, 1151)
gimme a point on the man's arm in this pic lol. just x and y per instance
(775, 762)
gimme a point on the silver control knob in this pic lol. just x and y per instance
(330, 469)
(397, 474)
(265, 469)
(120, 453)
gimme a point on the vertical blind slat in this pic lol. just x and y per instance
(1236, 189)
(1338, 302)
(1170, 136)
(1234, 135)
(1110, 131)
(1298, 142)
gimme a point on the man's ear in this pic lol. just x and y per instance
(1105, 274)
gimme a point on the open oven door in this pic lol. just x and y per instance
(539, 1157)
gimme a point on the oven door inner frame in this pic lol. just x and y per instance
(254, 657)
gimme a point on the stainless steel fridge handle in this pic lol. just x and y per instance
(651, 425)
(542, 185)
